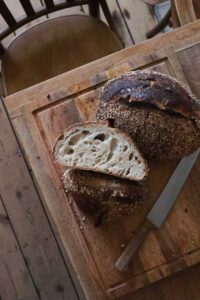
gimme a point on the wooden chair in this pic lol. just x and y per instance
(56, 45)
(180, 13)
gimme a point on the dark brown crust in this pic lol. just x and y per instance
(117, 130)
(168, 128)
(160, 135)
(154, 88)
(105, 198)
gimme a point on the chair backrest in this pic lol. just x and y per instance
(48, 7)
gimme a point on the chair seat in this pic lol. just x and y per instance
(53, 47)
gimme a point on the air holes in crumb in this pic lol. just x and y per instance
(97, 160)
(74, 139)
(113, 145)
(100, 137)
(130, 156)
(69, 151)
(128, 171)
(125, 148)
(110, 155)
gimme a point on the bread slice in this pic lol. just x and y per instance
(97, 147)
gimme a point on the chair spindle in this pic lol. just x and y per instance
(28, 8)
(49, 3)
(6, 14)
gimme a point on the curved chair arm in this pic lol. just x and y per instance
(160, 26)
(182, 12)
(185, 11)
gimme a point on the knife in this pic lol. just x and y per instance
(160, 209)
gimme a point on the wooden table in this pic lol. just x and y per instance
(30, 110)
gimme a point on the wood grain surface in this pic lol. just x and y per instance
(41, 112)
(15, 280)
(35, 237)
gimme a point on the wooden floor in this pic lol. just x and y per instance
(31, 264)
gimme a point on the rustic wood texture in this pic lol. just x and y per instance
(185, 11)
(179, 286)
(191, 66)
(40, 113)
(15, 279)
(196, 5)
(30, 223)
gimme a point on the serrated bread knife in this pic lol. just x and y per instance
(160, 209)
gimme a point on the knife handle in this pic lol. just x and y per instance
(126, 256)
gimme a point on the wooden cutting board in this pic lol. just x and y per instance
(40, 113)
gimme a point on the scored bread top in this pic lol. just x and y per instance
(96, 147)
(152, 88)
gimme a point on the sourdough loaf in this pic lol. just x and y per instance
(105, 170)
(103, 197)
(158, 112)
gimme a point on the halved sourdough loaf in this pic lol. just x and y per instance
(97, 147)
(158, 112)
(103, 197)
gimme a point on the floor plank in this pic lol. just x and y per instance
(15, 279)
(29, 220)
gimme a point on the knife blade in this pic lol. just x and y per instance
(160, 209)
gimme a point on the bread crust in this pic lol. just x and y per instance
(158, 112)
(103, 197)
